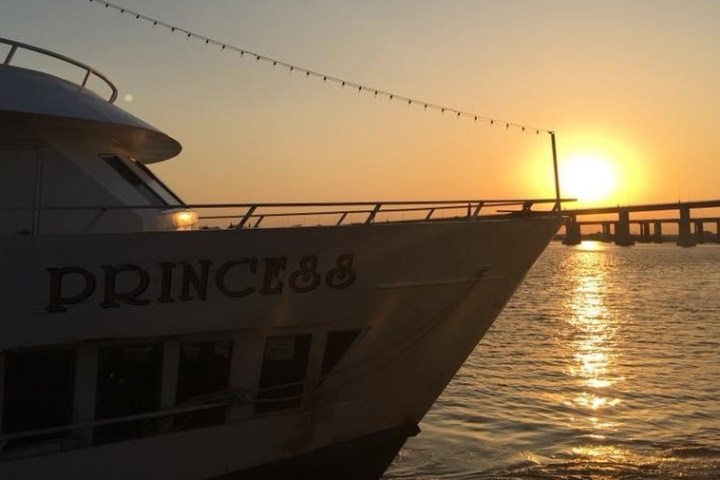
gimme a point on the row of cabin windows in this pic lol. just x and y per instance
(39, 388)
(40, 385)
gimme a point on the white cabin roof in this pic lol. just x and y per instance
(54, 103)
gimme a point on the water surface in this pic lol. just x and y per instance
(605, 365)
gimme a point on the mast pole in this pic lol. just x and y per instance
(555, 170)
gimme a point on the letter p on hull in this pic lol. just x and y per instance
(68, 286)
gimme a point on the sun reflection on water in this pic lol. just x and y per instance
(606, 452)
(592, 349)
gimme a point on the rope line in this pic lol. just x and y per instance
(360, 88)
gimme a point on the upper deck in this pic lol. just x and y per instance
(32, 87)
(74, 165)
(87, 71)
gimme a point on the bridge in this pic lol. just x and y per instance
(690, 230)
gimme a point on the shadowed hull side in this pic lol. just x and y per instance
(364, 458)
(422, 295)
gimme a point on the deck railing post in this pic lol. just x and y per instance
(85, 80)
(477, 209)
(555, 171)
(374, 212)
(10, 55)
(247, 216)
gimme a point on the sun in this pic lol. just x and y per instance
(588, 178)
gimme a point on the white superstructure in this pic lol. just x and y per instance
(132, 350)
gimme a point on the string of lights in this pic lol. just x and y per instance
(360, 88)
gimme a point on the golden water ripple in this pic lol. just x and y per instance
(604, 366)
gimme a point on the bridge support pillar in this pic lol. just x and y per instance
(606, 232)
(622, 229)
(657, 232)
(573, 235)
(685, 238)
(699, 232)
(645, 232)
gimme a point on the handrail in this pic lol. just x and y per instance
(112, 421)
(345, 213)
(226, 398)
(251, 215)
(427, 203)
(14, 46)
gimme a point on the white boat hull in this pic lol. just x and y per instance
(423, 294)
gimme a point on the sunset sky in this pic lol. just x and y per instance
(632, 89)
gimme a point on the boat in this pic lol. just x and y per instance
(145, 338)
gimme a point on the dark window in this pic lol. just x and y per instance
(126, 172)
(39, 388)
(165, 191)
(283, 373)
(128, 384)
(337, 345)
(204, 371)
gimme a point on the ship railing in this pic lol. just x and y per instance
(221, 399)
(88, 71)
(240, 396)
(110, 421)
(290, 214)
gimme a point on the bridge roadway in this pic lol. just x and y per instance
(621, 236)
